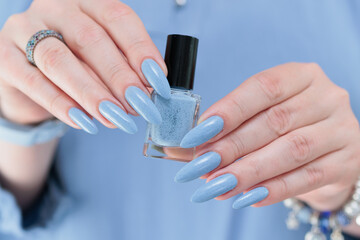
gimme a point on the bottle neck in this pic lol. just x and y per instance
(180, 89)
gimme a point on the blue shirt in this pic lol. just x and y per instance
(113, 192)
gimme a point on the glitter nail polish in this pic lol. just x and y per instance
(179, 113)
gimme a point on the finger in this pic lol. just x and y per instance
(316, 174)
(311, 106)
(129, 33)
(318, 198)
(256, 94)
(90, 42)
(14, 105)
(34, 84)
(338, 191)
(59, 65)
(289, 152)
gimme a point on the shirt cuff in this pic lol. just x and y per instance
(50, 209)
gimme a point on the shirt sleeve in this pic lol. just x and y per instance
(53, 204)
(50, 209)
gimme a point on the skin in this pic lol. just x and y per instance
(294, 106)
(298, 138)
(106, 45)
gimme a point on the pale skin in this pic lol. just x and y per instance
(106, 44)
(293, 127)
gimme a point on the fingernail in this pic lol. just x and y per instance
(142, 104)
(198, 167)
(82, 120)
(203, 132)
(253, 196)
(214, 188)
(117, 116)
(156, 77)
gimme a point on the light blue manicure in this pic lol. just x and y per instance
(214, 188)
(203, 132)
(156, 78)
(253, 196)
(198, 167)
(82, 120)
(142, 104)
(117, 116)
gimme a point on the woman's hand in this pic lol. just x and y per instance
(104, 71)
(294, 134)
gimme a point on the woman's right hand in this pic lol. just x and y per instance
(105, 70)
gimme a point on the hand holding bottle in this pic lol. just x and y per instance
(104, 70)
(294, 133)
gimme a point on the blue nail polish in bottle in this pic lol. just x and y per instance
(179, 113)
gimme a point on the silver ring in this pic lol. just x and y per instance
(36, 38)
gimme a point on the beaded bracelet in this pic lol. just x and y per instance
(324, 222)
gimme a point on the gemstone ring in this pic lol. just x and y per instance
(36, 38)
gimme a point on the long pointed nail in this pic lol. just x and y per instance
(203, 132)
(253, 196)
(214, 188)
(156, 78)
(142, 104)
(198, 167)
(117, 116)
(82, 120)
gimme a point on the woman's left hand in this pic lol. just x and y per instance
(294, 134)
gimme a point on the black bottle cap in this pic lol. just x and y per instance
(180, 59)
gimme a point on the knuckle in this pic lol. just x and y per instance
(313, 67)
(300, 148)
(256, 167)
(354, 124)
(116, 12)
(86, 95)
(138, 45)
(118, 72)
(282, 186)
(270, 85)
(115, 72)
(88, 35)
(53, 103)
(237, 105)
(314, 176)
(31, 80)
(343, 96)
(51, 56)
(237, 146)
(279, 119)
(15, 20)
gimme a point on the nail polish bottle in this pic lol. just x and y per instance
(180, 112)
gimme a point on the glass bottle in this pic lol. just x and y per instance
(180, 112)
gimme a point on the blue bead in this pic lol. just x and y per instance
(326, 214)
(342, 218)
(324, 225)
(304, 215)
